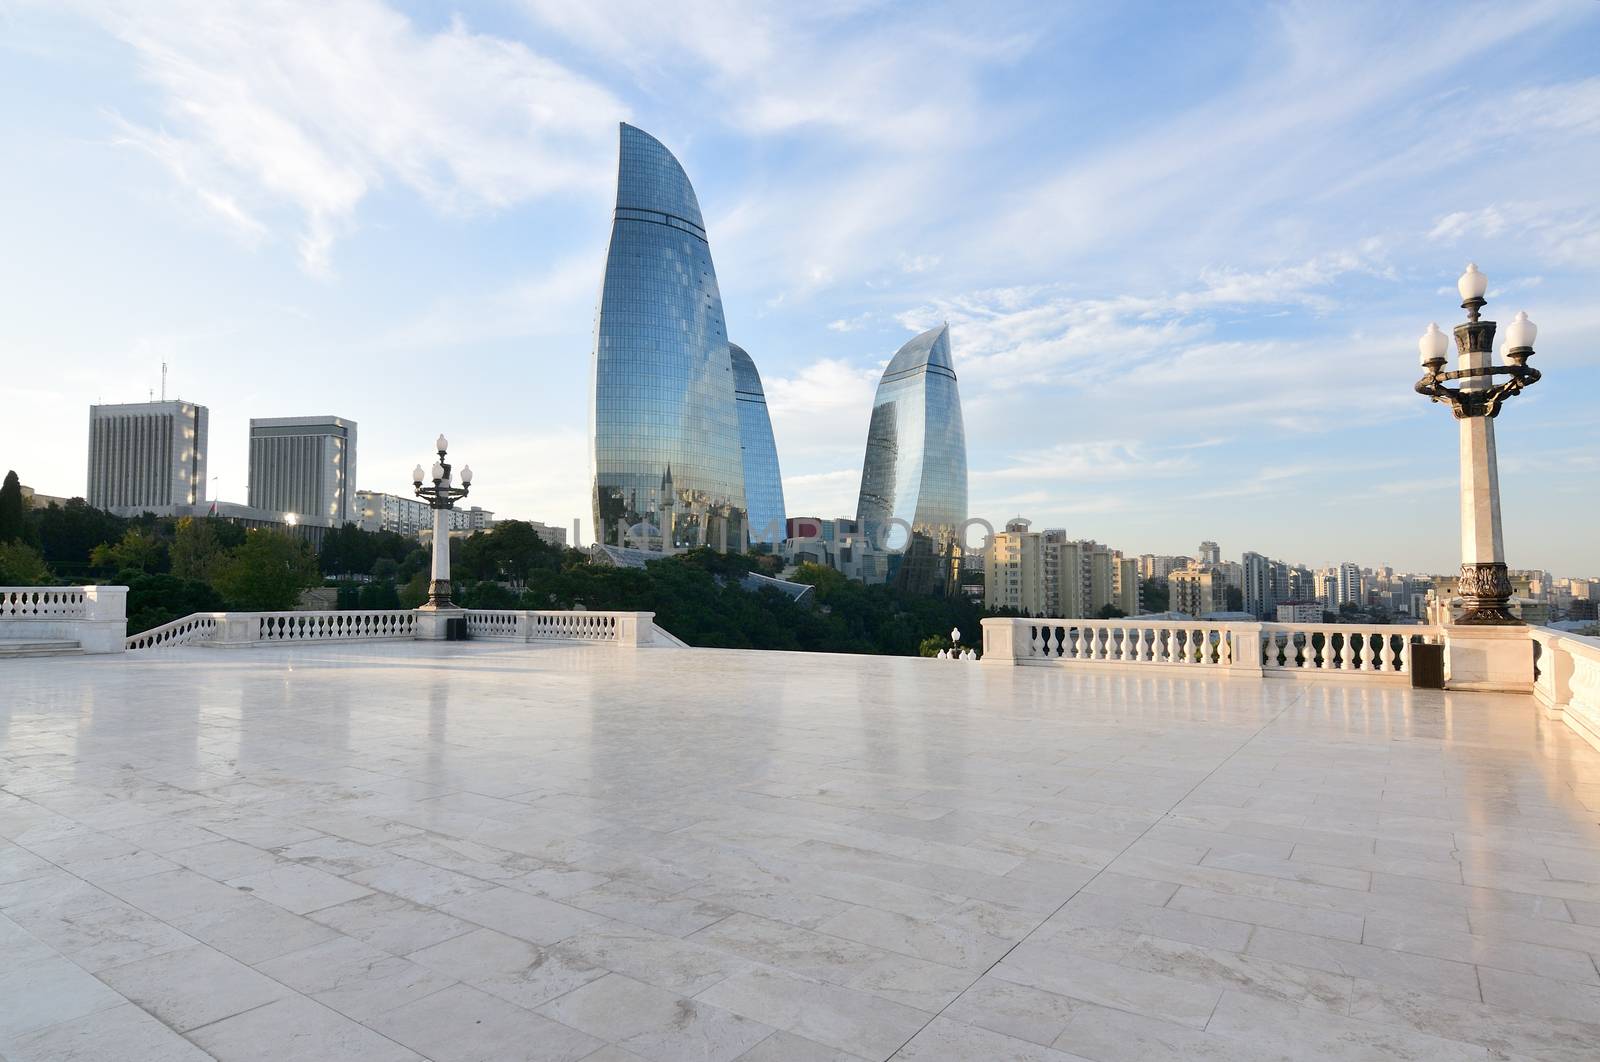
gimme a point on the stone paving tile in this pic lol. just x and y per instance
(298, 889)
(119, 1032)
(297, 1028)
(462, 1024)
(39, 988)
(653, 1023)
(944, 1038)
(391, 923)
(355, 979)
(838, 1017)
(515, 970)
(193, 987)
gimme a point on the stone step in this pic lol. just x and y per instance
(17, 647)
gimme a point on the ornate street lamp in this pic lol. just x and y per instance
(1485, 587)
(441, 498)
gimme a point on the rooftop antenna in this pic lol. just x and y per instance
(163, 381)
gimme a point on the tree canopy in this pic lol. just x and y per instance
(12, 526)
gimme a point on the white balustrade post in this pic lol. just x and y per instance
(1002, 641)
(1245, 660)
(105, 619)
(634, 628)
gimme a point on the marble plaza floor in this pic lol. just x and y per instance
(502, 852)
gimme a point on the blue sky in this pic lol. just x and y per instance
(1185, 250)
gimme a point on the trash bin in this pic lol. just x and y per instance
(1427, 666)
(455, 629)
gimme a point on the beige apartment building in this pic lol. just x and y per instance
(1044, 573)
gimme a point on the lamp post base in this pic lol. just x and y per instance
(438, 597)
(1485, 591)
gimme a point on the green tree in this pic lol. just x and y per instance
(136, 550)
(157, 599)
(267, 572)
(1109, 611)
(21, 565)
(67, 534)
(1154, 595)
(414, 591)
(12, 525)
(196, 549)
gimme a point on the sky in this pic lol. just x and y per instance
(1185, 251)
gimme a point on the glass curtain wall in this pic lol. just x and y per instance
(667, 464)
(914, 476)
(763, 484)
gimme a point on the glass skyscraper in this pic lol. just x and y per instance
(914, 477)
(667, 464)
(763, 484)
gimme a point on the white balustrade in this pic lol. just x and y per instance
(1567, 681)
(350, 626)
(1177, 643)
(195, 627)
(267, 628)
(623, 628)
(1231, 647)
(1337, 647)
(95, 617)
(43, 602)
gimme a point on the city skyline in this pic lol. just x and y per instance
(1147, 304)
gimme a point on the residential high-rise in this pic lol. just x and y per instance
(667, 467)
(1350, 589)
(1260, 596)
(305, 466)
(1210, 553)
(147, 456)
(1044, 573)
(914, 474)
(1013, 576)
(1197, 590)
(763, 483)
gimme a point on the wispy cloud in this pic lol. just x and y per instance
(312, 108)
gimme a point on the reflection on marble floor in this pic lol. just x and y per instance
(489, 852)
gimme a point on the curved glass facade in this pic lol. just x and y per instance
(763, 484)
(667, 465)
(915, 468)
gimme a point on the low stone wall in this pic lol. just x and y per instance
(1567, 685)
(96, 617)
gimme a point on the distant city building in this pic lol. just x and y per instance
(1197, 590)
(1044, 573)
(667, 465)
(1350, 590)
(1258, 589)
(305, 466)
(914, 474)
(1210, 553)
(1156, 566)
(1299, 612)
(377, 511)
(147, 456)
(763, 483)
(1013, 576)
(32, 499)
(837, 544)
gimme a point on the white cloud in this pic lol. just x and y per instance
(314, 106)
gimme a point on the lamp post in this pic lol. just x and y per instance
(1485, 587)
(441, 498)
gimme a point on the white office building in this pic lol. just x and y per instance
(305, 466)
(147, 456)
